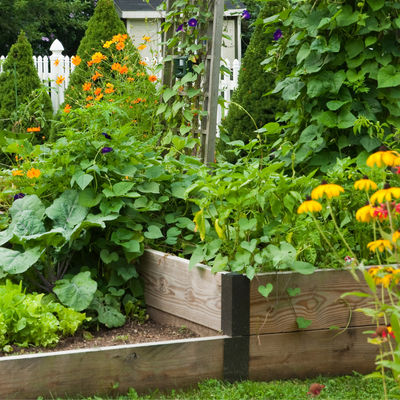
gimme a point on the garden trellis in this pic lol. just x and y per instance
(48, 72)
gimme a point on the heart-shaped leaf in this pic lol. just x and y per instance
(303, 323)
(265, 290)
(249, 246)
(293, 292)
(107, 257)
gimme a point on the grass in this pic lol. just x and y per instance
(337, 388)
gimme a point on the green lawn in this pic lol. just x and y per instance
(337, 388)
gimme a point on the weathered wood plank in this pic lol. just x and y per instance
(170, 286)
(161, 365)
(309, 354)
(319, 301)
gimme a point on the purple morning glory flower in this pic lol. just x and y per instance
(106, 135)
(105, 150)
(245, 14)
(192, 22)
(180, 28)
(277, 34)
(19, 196)
(45, 39)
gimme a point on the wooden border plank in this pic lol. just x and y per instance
(309, 354)
(161, 365)
(319, 301)
(170, 286)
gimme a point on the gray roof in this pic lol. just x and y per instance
(142, 5)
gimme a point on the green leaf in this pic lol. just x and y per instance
(346, 120)
(89, 198)
(77, 293)
(293, 292)
(303, 323)
(15, 262)
(301, 267)
(168, 93)
(84, 180)
(219, 263)
(347, 16)
(370, 143)
(66, 211)
(388, 77)
(370, 281)
(154, 232)
(265, 290)
(334, 105)
(376, 4)
(31, 203)
(155, 171)
(318, 86)
(27, 224)
(133, 246)
(149, 187)
(200, 222)
(354, 47)
(370, 40)
(197, 257)
(193, 92)
(343, 142)
(328, 118)
(247, 225)
(358, 294)
(293, 91)
(107, 257)
(121, 188)
(303, 52)
(310, 133)
(249, 246)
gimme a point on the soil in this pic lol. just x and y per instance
(131, 333)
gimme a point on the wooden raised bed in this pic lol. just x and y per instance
(211, 305)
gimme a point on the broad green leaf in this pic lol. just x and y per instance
(265, 290)
(15, 262)
(77, 293)
(388, 77)
(110, 316)
(247, 225)
(193, 92)
(376, 4)
(89, 198)
(200, 223)
(149, 187)
(155, 171)
(249, 246)
(293, 292)
(347, 16)
(293, 91)
(154, 232)
(66, 211)
(168, 93)
(219, 263)
(133, 246)
(354, 47)
(328, 118)
(370, 143)
(197, 257)
(84, 180)
(27, 224)
(100, 218)
(303, 52)
(318, 86)
(334, 105)
(301, 267)
(303, 323)
(313, 62)
(346, 120)
(343, 142)
(310, 133)
(107, 257)
(31, 203)
(370, 281)
(358, 294)
(370, 40)
(121, 188)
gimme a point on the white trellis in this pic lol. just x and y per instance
(49, 72)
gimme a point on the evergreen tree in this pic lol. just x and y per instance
(104, 24)
(253, 84)
(18, 84)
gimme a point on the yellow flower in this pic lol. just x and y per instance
(56, 62)
(365, 213)
(98, 57)
(107, 44)
(396, 236)
(365, 183)
(18, 172)
(385, 156)
(309, 206)
(330, 189)
(146, 38)
(86, 86)
(67, 108)
(385, 194)
(60, 80)
(33, 173)
(76, 60)
(384, 275)
(380, 245)
(142, 47)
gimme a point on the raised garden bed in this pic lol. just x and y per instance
(251, 347)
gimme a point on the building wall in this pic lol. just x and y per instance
(137, 28)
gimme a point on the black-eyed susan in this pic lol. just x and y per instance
(383, 156)
(380, 245)
(330, 189)
(365, 213)
(309, 206)
(387, 193)
(396, 236)
(365, 183)
(384, 275)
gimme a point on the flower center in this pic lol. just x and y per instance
(387, 186)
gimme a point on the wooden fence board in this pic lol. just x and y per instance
(319, 301)
(170, 286)
(308, 354)
(161, 365)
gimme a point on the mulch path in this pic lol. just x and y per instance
(131, 333)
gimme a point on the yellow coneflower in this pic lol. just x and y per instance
(385, 156)
(365, 213)
(365, 183)
(396, 236)
(380, 245)
(309, 206)
(387, 193)
(330, 189)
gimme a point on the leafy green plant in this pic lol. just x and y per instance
(346, 76)
(33, 319)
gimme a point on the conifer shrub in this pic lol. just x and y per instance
(103, 25)
(24, 102)
(252, 85)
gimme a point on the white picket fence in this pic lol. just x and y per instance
(48, 72)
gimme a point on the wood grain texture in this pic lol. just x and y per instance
(319, 301)
(170, 286)
(308, 354)
(162, 365)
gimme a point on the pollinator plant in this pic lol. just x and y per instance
(382, 211)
